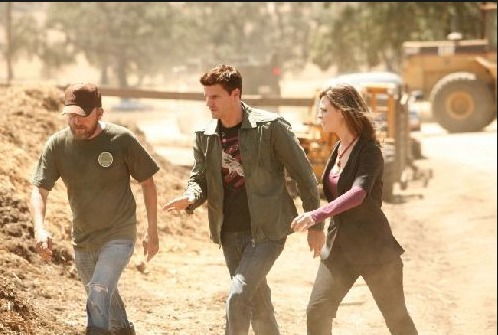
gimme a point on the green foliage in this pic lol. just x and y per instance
(144, 38)
(128, 41)
(222, 31)
(126, 38)
(25, 31)
(356, 35)
(25, 37)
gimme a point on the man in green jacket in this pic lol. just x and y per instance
(240, 158)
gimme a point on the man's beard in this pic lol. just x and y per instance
(86, 134)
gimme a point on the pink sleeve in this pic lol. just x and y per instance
(348, 200)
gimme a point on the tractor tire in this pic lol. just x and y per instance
(462, 103)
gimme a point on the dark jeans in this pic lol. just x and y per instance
(335, 278)
(249, 299)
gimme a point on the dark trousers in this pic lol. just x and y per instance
(249, 300)
(334, 279)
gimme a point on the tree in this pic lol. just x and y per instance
(118, 38)
(22, 36)
(8, 41)
(130, 41)
(353, 35)
(222, 31)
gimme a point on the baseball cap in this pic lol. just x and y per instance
(81, 99)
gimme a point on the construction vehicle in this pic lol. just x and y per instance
(388, 104)
(457, 76)
(261, 79)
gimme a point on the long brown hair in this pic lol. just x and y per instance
(353, 107)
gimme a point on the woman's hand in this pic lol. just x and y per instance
(302, 222)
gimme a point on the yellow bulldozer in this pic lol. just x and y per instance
(388, 102)
(457, 76)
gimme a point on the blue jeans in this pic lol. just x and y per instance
(249, 299)
(99, 272)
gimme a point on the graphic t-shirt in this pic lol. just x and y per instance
(235, 206)
(96, 173)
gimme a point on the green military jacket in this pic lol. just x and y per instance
(267, 146)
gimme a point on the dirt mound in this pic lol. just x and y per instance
(31, 291)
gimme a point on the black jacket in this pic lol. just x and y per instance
(362, 234)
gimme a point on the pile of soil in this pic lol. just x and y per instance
(31, 290)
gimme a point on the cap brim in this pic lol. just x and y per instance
(74, 110)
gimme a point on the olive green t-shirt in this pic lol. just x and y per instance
(97, 173)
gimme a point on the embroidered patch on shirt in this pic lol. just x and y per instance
(105, 159)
